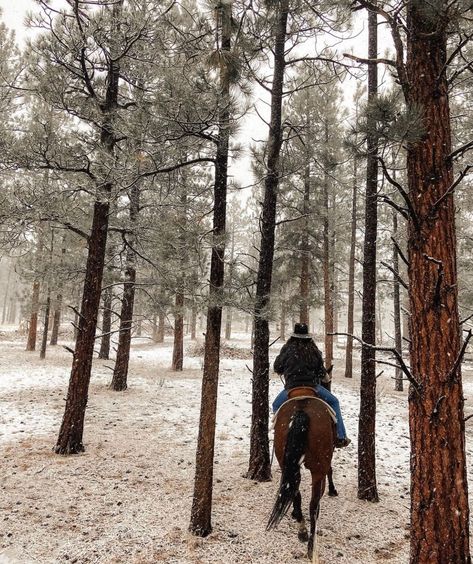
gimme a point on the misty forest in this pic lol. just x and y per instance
(236, 291)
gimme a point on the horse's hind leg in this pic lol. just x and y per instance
(297, 514)
(332, 491)
(317, 491)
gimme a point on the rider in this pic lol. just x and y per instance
(301, 363)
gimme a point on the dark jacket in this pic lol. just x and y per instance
(301, 363)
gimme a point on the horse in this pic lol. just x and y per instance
(304, 432)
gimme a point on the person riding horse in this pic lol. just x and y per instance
(301, 364)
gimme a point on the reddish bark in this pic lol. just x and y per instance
(439, 493)
(33, 326)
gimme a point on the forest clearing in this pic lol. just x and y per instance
(127, 499)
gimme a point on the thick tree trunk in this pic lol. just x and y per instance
(351, 277)
(33, 327)
(56, 320)
(398, 378)
(439, 492)
(201, 513)
(259, 463)
(72, 427)
(367, 488)
(305, 253)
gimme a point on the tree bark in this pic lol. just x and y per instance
(33, 326)
(351, 276)
(259, 463)
(44, 341)
(161, 321)
(107, 299)
(56, 320)
(193, 322)
(305, 252)
(398, 377)
(178, 347)
(328, 282)
(71, 432)
(367, 487)
(283, 318)
(5, 297)
(439, 492)
(120, 372)
(201, 512)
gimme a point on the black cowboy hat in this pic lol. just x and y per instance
(301, 331)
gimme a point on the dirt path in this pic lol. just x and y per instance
(127, 498)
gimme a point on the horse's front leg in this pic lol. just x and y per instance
(297, 514)
(317, 491)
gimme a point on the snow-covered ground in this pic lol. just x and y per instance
(127, 498)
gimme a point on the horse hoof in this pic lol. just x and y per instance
(332, 493)
(303, 536)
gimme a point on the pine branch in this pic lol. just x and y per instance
(399, 252)
(417, 385)
(396, 274)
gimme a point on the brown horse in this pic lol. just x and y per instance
(304, 431)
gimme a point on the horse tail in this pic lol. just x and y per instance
(291, 471)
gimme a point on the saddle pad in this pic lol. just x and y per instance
(298, 398)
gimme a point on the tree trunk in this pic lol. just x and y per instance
(44, 341)
(161, 322)
(305, 253)
(200, 522)
(228, 324)
(351, 276)
(33, 327)
(107, 306)
(178, 347)
(120, 372)
(398, 378)
(259, 463)
(328, 296)
(283, 318)
(12, 311)
(193, 322)
(439, 493)
(5, 298)
(367, 488)
(56, 320)
(72, 427)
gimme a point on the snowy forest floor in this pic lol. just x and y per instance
(127, 499)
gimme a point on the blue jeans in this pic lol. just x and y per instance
(324, 395)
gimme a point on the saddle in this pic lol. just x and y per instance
(302, 393)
